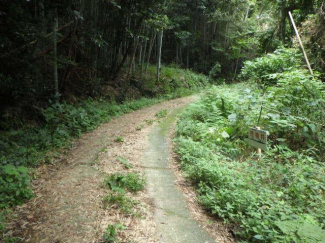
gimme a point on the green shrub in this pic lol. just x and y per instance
(286, 184)
(14, 185)
(215, 71)
(262, 70)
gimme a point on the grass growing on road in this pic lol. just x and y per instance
(131, 181)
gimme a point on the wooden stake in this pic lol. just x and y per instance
(259, 151)
(300, 43)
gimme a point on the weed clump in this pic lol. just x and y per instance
(132, 182)
(161, 113)
(111, 233)
(119, 139)
(121, 201)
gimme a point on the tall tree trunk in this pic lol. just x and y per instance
(132, 61)
(241, 49)
(55, 58)
(144, 55)
(187, 57)
(150, 49)
(180, 55)
(140, 52)
(128, 50)
(159, 45)
(177, 54)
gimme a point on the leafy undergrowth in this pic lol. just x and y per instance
(279, 198)
(33, 144)
(172, 78)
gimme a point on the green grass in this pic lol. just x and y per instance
(118, 183)
(130, 181)
(121, 201)
(161, 114)
(119, 139)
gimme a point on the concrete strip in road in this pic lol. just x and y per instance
(174, 222)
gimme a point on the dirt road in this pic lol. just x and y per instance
(68, 197)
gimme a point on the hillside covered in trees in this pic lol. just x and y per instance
(67, 66)
(107, 45)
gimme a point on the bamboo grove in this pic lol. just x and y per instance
(95, 44)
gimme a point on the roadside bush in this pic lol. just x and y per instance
(14, 185)
(263, 70)
(279, 198)
(294, 111)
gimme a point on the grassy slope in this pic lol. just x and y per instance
(279, 198)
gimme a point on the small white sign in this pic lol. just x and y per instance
(257, 138)
(258, 135)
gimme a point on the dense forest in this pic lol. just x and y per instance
(82, 48)
(68, 66)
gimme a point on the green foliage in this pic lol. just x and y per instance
(111, 233)
(121, 201)
(184, 82)
(28, 146)
(161, 113)
(300, 99)
(294, 105)
(139, 127)
(263, 70)
(286, 184)
(215, 71)
(132, 182)
(302, 230)
(119, 139)
(14, 185)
